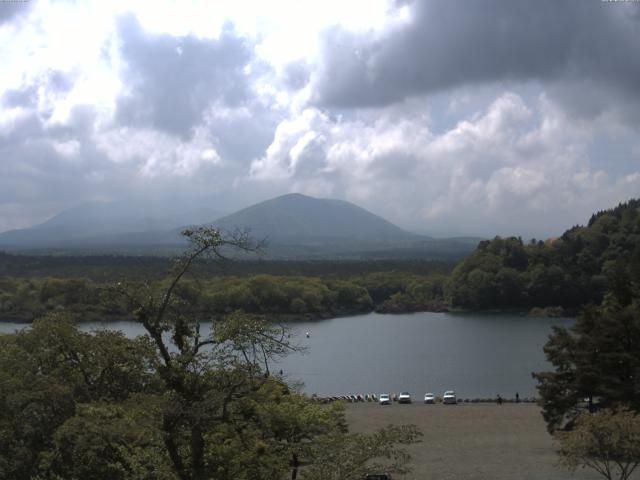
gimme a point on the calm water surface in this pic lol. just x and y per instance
(478, 355)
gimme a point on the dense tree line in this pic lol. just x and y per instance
(24, 299)
(103, 268)
(596, 362)
(571, 271)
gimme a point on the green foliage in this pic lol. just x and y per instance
(47, 372)
(106, 441)
(397, 291)
(493, 275)
(350, 457)
(606, 441)
(598, 359)
(572, 271)
(299, 296)
(23, 300)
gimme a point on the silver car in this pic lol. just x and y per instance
(429, 398)
(384, 399)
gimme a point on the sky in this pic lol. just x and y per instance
(446, 118)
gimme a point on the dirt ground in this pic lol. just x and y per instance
(471, 441)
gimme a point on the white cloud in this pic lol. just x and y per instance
(10, 118)
(159, 154)
(69, 149)
(291, 137)
(491, 172)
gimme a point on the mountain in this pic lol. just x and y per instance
(295, 226)
(98, 223)
(299, 218)
(298, 226)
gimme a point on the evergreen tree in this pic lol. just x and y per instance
(597, 360)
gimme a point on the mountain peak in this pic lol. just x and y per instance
(293, 196)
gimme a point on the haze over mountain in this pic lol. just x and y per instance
(294, 226)
(101, 222)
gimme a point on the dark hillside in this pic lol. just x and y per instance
(117, 267)
(299, 217)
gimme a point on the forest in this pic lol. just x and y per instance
(573, 270)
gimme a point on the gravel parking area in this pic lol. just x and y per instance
(471, 441)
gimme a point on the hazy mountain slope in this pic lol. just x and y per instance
(90, 222)
(299, 217)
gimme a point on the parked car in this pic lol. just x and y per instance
(384, 399)
(449, 397)
(379, 476)
(429, 398)
(404, 397)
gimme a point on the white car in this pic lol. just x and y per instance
(384, 399)
(449, 397)
(429, 398)
(404, 397)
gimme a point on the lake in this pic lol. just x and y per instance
(477, 355)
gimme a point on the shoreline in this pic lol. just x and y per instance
(313, 317)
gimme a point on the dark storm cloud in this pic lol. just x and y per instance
(27, 96)
(242, 138)
(451, 44)
(28, 158)
(20, 97)
(33, 168)
(296, 74)
(10, 10)
(171, 80)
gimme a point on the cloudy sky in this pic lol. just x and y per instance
(448, 118)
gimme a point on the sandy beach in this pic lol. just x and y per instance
(471, 441)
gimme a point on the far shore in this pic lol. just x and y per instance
(471, 441)
(547, 312)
